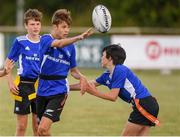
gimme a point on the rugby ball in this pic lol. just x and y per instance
(101, 18)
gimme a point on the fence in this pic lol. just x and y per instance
(141, 45)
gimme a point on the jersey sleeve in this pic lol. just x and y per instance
(45, 42)
(73, 57)
(14, 51)
(118, 79)
(101, 79)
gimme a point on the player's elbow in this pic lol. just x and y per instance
(113, 99)
(57, 43)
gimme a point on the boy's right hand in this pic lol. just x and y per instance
(89, 87)
(13, 88)
(83, 85)
(8, 66)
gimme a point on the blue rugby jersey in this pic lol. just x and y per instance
(26, 52)
(123, 78)
(55, 61)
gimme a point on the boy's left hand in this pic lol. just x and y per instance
(87, 33)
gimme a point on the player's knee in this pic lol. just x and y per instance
(42, 131)
(21, 127)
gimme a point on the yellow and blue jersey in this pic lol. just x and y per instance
(123, 78)
(55, 62)
(26, 52)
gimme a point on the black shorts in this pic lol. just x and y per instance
(51, 106)
(27, 104)
(150, 105)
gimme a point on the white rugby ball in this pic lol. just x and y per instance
(101, 18)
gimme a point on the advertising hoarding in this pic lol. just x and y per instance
(150, 52)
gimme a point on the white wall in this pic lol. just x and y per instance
(150, 52)
(1, 50)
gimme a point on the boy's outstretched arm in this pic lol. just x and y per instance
(60, 43)
(111, 95)
(83, 81)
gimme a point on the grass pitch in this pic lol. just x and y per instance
(91, 116)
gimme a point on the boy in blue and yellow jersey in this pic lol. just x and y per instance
(123, 83)
(58, 57)
(25, 51)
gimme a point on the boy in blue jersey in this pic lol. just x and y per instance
(123, 83)
(25, 51)
(58, 57)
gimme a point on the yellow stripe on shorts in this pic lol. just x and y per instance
(32, 96)
(16, 97)
(17, 80)
(36, 84)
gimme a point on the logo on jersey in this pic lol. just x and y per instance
(27, 48)
(58, 60)
(107, 82)
(60, 56)
(49, 111)
(34, 57)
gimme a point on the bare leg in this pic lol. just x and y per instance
(132, 129)
(21, 124)
(44, 127)
(144, 131)
(34, 124)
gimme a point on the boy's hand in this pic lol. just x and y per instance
(91, 88)
(13, 88)
(8, 66)
(87, 86)
(83, 85)
(86, 34)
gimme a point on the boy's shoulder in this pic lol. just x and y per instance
(21, 38)
(46, 35)
(122, 67)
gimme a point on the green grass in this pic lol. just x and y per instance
(88, 115)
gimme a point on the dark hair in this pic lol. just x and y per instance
(60, 16)
(32, 14)
(116, 52)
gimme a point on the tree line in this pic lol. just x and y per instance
(140, 13)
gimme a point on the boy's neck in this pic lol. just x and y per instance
(111, 68)
(54, 34)
(33, 37)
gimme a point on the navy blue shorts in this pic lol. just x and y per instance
(26, 105)
(150, 105)
(51, 106)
